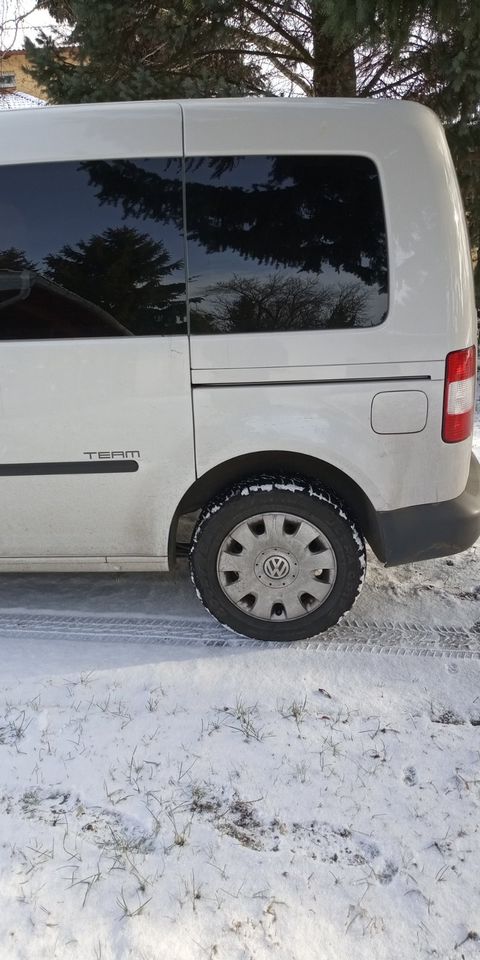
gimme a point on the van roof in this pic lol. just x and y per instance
(267, 103)
(90, 131)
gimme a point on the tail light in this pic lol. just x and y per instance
(459, 399)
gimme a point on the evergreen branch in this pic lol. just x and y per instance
(153, 53)
(261, 14)
(294, 12)
(385, 65)
(244, 51)
(400, 81)
(294, 78)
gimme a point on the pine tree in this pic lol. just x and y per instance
(147, 50)
(317, 47)
(13, 259)
(124, 272)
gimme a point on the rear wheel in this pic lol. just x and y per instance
(277, 559)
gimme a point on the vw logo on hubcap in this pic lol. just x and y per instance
(276, 567)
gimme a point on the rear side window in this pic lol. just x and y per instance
(92, 249)
(285, 243)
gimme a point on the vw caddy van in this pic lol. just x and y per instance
(258, 310)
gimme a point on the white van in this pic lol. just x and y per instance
(259, 309)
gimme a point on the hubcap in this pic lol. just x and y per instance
(276, 566)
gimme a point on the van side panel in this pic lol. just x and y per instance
(331, 422)
(96, 403)
(430, 312)
(96, 428)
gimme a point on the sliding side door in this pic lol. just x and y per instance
(95, 408)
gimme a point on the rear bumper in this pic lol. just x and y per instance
(430, 530)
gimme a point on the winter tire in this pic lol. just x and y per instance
(277, 559)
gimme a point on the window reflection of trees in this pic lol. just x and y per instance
(310, 231)
(311, 216)
(280, 302)
(307, 213)
(126, 273)
(115, 283)
(31, 305)
(304, 213)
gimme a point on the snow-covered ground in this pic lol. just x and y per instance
(238, 805)
(199, 800)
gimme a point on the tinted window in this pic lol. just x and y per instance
(285, 243)
(91, 249)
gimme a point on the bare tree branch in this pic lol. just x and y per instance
(10, 23)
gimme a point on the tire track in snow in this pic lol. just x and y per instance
(355, 636)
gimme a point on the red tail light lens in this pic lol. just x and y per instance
(459, 398)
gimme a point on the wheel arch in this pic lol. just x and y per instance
(282, 463)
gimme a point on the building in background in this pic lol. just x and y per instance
(17, 88)
(17, 100)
